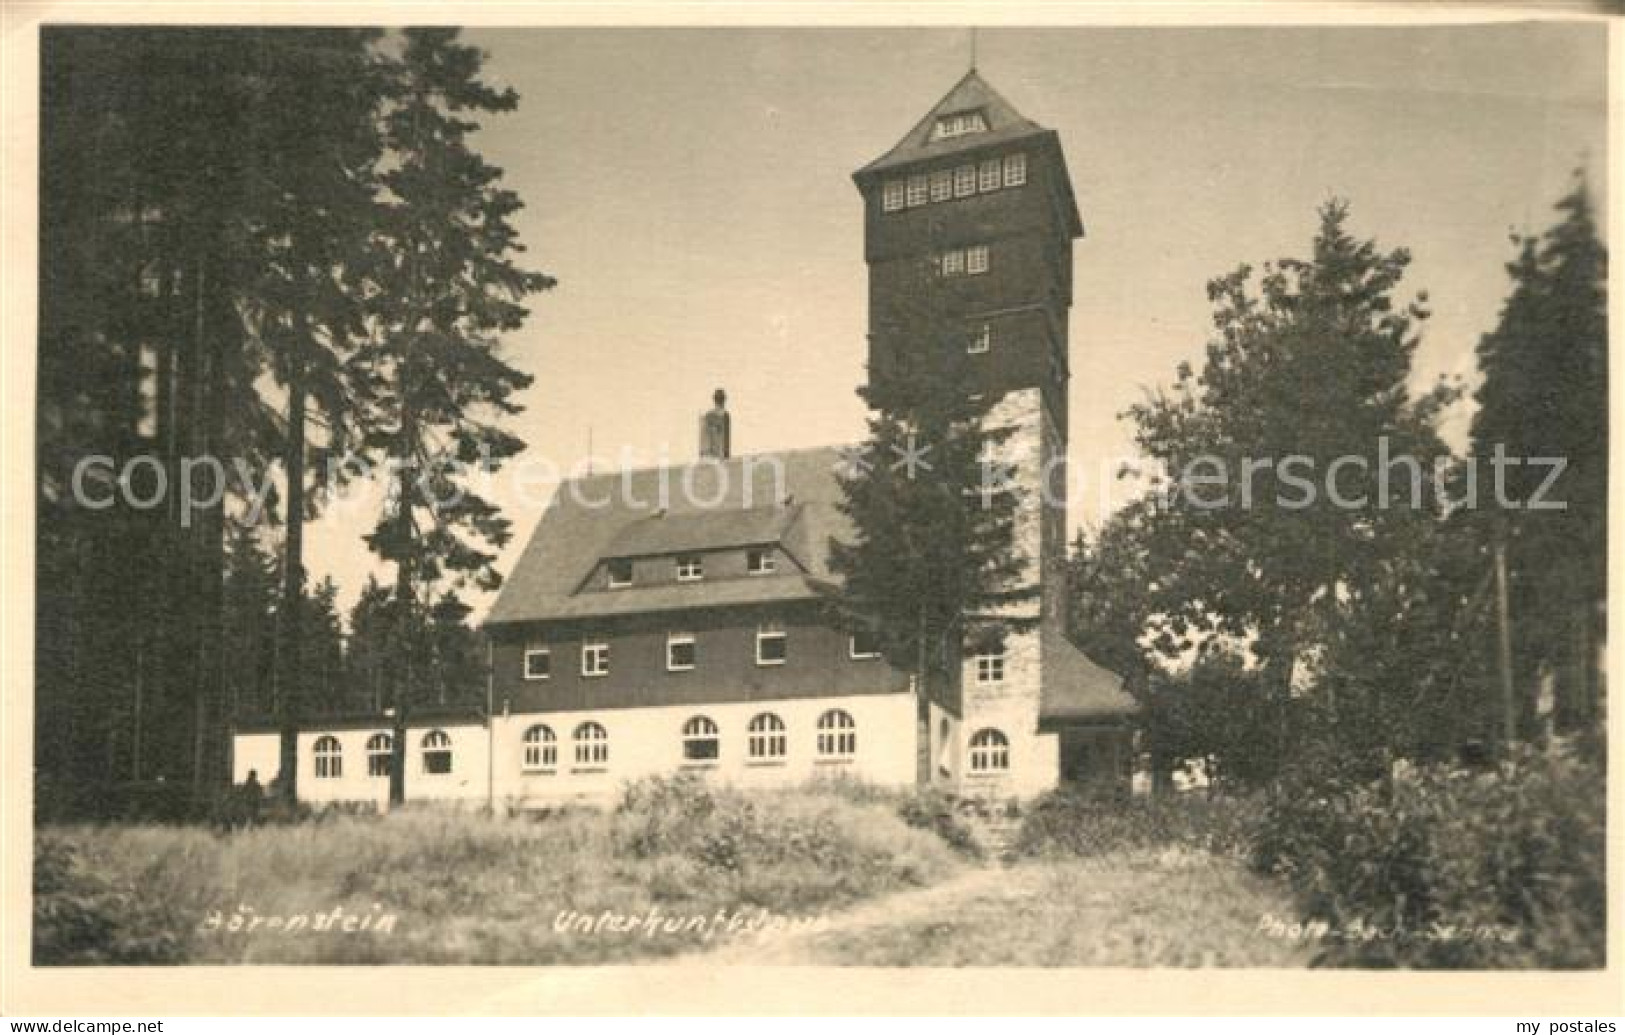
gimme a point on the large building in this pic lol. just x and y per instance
(676, 619)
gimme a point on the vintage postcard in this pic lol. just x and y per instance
(589, 506)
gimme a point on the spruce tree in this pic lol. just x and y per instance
(1544, 394)
(931, 569)
(449, 286)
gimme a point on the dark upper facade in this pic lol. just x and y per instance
(971, 217)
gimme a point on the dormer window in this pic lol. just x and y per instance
(690, 568)
(620, 573)
(958, 124)
(760, 562)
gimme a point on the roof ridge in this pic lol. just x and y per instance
(696, 461)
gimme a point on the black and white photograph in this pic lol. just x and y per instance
(953, 496)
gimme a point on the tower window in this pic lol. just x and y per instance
(988, 177)
(958, 125)
(892, 195)
(942, 185)
(990, 667)
(989, 752)
(964, 181)
(918, 191)
(1015, 169)
(981, 339)
(976, 259)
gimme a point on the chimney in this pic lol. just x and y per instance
(715, 431)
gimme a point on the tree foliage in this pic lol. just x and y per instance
(1545, 394)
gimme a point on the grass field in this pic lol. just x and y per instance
(466, 888)
(820, 875)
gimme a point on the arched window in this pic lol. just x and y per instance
(989, 752)
(380, 754)
(767, 739)
(541, 750)
(700, 740)
(436, 752)
(592, 744)
(329, 758)
(837, 735)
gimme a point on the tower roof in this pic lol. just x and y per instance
(971, 93)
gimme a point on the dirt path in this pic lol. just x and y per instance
(919, 905)
(1165, 909)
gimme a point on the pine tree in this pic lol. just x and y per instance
(448, 287)
(1545, 394)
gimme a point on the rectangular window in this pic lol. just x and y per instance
(990, 668)
(620, 573)
(595, 659)
(976, 259)
(918, 192)
(680, 652)
(760, 562)
(863, 645)
(988, 175)
(981, 339)
(690, 568)
(771, 645)
(891, 196)
(950, 126)
(953, 263)
(942, 185)
(964, 181)
(538, 663)
(1015, 170)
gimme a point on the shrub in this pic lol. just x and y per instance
(936, 811)
(1446, 867)
(1070, 823)
(83, 918)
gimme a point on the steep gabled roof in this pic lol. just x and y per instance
(972, 93)
(786, 498)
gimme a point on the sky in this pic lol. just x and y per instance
(691, 191)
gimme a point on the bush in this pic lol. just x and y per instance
(1446, 867)
(1070, 823)
(84, 919)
